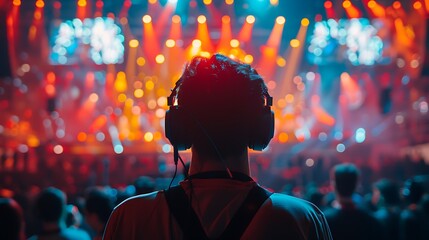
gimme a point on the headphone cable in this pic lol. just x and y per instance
(215, 148)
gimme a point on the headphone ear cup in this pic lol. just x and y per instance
(261, 130)
(177, 128)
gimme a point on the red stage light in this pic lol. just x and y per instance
(16, 3)
(347, 4)
(328, 4)
(57, 4)
(40, 3)
(99, 4)
(397, 5)
(81, 3)
(127, 4)
(417, 5)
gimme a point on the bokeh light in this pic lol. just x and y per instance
(133, 43)
(201, 19)
(250, 19)
(147, 19)
(160, 58)
(280, 20)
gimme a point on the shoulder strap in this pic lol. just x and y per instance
(185, 216)
(191, 226)
(241, 220)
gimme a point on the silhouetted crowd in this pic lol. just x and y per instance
(393, 210)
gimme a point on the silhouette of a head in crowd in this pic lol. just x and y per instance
(345, 178)
(50, 206)
(144, 184)
(389, 192)
(11, 220)
(221, 98)
(413, 190)
(98, 206)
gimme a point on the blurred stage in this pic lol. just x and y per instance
(88, 80)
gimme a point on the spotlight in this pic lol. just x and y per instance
(250, 19)
(328, 4)
(305, 22)
(133, 43)
(170, 43)
(196, 43)
(226, 19)
(40, 3)
(234, 43)
(294, 43)
(159, 58)
(347, 4)
(147, 19)
(176, 19)
(280, 20)
(201, 19)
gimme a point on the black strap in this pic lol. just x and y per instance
(188, 221)
(182, 211)
(238, 224)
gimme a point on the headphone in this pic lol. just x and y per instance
(179, 124)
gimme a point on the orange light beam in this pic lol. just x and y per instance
(110, 82)
(126, 28)
(176, 28)
(401, 33)
(164, 17)
(215, 15)
(225, 36)
(37, 21)
(375, 9)
(293, 56)
(12, 28)
(89, 81)
(130, 66)
(350, 89)
(82, 9)
(204, 35)
(151, 44)
(98, 8)
(330, 12)
(320, 114)
(418, 6)
(245, 34)
(267, 62)
(427, 6)
(351, 10)
(98, 123)
(173, 56)
(125, 7)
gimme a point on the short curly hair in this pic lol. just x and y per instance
(220, 95)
